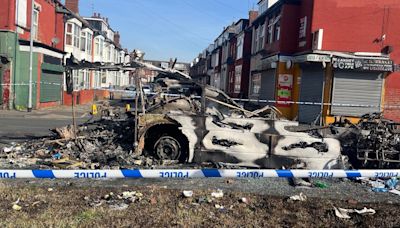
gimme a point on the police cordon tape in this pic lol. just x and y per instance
(194, 173)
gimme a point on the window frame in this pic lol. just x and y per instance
(70, 34)
(89, 45)
(253, 84)
(238, 79)
(76, 35)
(35, 24)
(83, 41)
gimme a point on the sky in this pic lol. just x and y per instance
(166, 29)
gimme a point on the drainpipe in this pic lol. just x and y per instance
(31, 59)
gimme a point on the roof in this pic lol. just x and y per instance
(273, 8)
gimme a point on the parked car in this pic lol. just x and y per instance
(147, 90)
(129, 93)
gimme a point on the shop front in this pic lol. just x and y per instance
(358, 86)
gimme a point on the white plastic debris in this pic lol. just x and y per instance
(244, 200)
(188, 194)
(16, 207)
(300, 197)
(219, 206)
(218, 194)
(395, 191)
(7, 149)
(50, 189)
(127, 195)
(344, 213)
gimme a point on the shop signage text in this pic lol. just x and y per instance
(381, 65)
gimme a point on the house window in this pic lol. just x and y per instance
(270, 31)
(83, 41)
(101, 47)
(98, 46)
(69, 35)
(261, 32)
(97, 80)
(89, 40)
(239, 46)
(103, 77)
(255, 84)
(277, 32)
(109, 53)
(255, 45)
(86, 80)
(72, 35)
(75, 75)
(77, 32)
(238, 78)
(35, 31)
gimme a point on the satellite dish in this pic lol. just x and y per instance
(55, 40)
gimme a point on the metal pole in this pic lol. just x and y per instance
(31, 59)
(321, 120)
(136, 108)
(73, 114)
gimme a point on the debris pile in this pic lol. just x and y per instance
(374, 142)
(98, 145)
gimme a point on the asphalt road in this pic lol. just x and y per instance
(20, 128)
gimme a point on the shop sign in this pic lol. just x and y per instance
(381, 65)
(312, 58)
(285, 87)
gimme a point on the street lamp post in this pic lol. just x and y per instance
(31, 58)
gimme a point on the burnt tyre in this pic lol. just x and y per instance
(166, 142)
(168, 148)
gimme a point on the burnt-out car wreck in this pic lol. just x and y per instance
(203, 124)
(214, 128)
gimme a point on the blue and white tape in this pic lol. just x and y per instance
(194, 173)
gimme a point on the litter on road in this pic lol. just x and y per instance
(344, 213)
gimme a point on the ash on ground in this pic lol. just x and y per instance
(102, 144)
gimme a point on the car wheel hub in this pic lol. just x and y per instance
(167, 148)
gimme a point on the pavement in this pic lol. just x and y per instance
(59, 112)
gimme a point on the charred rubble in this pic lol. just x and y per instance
(374, 142)
(99, 144)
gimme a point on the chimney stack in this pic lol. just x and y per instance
(117, 38)
(72, 5)
(252, 16)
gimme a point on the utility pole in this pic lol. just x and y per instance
(31, 58)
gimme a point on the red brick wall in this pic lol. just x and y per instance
(73, 5)
(354, 25)
(306, 10)
(289, 29)
(85, 96)
(51, 24)
(392, 96)
(7, 12)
